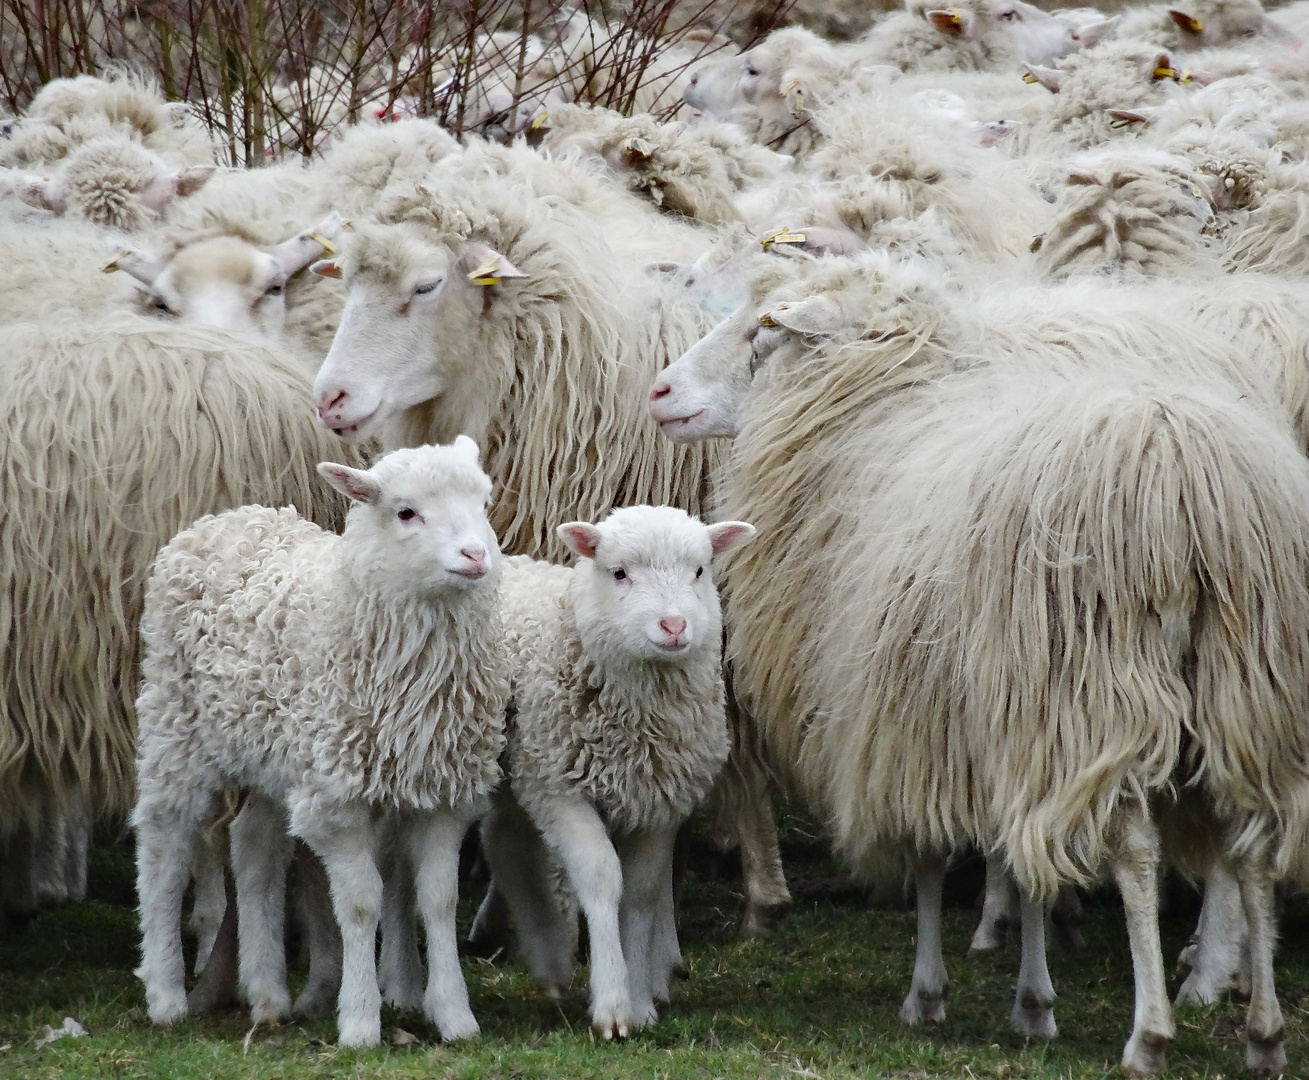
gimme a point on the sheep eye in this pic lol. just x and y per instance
(273, 290)
(1009, 15)
(426, 288)
(620, 574)
(753, 72)
(406, 514)
(699, 571)
(160, 305)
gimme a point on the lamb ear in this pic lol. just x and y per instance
(145, 268)
(1091, 36)
(354, 483)
(729, 534)
(1186, 21)
(483, 265)
(580, 537)
(1142, 114)
(44, 194)
(817, 315)
(468, 447)
(952, 22)
(1047, 77)
(160, 192)
(193, 178)
(295, 254)
(326, 268)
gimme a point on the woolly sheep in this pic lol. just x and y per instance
(618, 733)
(119, 430)
(387, 638)
(816, 354)
(1202, 24)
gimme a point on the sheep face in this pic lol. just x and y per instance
(1204, 24)
(409, 303)
(776, 79)
(418, 523)
(1024, 31)
(701, 395)
(644, 589)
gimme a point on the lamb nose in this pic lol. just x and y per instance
(673, 627)
(660, 389)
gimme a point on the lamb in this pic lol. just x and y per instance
(119, 430)
(523, 327)
(932, 672)
(618, 732)
(380, 690)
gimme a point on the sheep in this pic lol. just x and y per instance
(119, 430)
(380, 690)
(55, 264)
(975, 35)
(916, 692)
(1205, 24)
(523, 328)
(115, 183)
(618, 732)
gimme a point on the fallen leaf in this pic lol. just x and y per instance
(400, 1037)
(70, 1029)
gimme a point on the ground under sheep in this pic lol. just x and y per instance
(618, 733)
(395, 630)
(119, 430)
(1155, 556)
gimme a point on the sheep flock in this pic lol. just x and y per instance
(915, 423)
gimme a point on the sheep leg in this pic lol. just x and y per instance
(165, 839)
(314, 897)
(210, 901)
(926, 1000)
(1136, 870)
(216, 987)
(665, 952)
(1264, 1030)
(999, 906)
(433, 848)
(261, 853)
(1033, 1014)
(647, 863)
(492, 925)
(399, 968)
(1066, 920)
(518, 858)
(576, 834)
(1221, 940)
(344, 840)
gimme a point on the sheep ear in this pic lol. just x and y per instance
(817, 315)
(580, 537)
(951, 22)
(44, 194)
(483, 265)
(295, 254)
(1047, 77)
(1093, 35)
(1142, 114)
(729, 534)
(1185, 21)
(193, 178)
(469, 448)
(160, 192)
(145, 268)
(326, 268)
(794, 89)
(1163, 68)
(354, 483)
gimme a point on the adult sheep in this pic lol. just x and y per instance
(1080, 589)
(119, 430)
(509, 316)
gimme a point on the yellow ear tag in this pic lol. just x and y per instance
(1030, 79)
(766, 319)
(347, 226)
(955, 17)
(485, 274)
(326, 244)
(112, 265)
(1194, 25)
(789, 87)
(539, 122)
(1185, 76)
(1165, 73)
(784, 235)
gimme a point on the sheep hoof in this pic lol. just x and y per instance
(360, 1032)
(923, 1007)
(1266, 1056)
(1033, 1018)
(614, 1023)
(758, 919)
(168, 1011)
(457, 1025)
(989, 936)
(1146, 1053)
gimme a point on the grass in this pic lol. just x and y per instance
(817, 999)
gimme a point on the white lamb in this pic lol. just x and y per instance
(617, 735)
(355, 681)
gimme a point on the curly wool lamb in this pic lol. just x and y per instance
(1079, 583)
(618, 732)
(344, 679)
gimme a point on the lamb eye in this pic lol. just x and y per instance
(406, 514)
(753, 72)
(620, 575)
(699, 571)
(423, 290)
(273, 290)
(1009, 15)
(160, 304)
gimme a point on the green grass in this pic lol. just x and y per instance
(817, 999)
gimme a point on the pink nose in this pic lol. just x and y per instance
(330, 403)
(673, 627)
(476, 557)
(660, 389)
